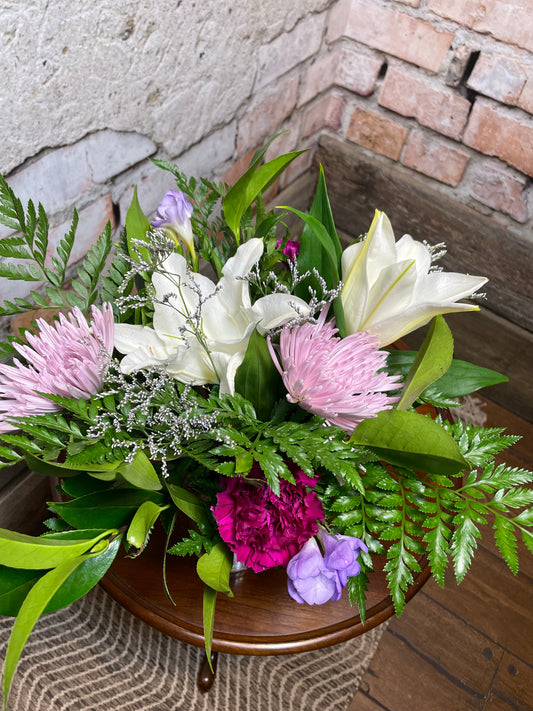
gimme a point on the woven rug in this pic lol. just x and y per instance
(95, 656)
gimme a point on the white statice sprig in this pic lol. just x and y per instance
(151, 411)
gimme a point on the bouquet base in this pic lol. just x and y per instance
(260, 619)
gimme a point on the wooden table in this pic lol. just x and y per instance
(260, 619)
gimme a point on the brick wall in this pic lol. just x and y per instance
(442, 89)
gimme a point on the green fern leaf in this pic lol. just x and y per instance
(93, 265)
(514, 499)
(438, 544)
(64, 248)
(399, 575)
(40, 244)
(464, 542)
(19, 272)
(357, 587)
(11, 210)
(527, 539)
(505, 538)
(14, 248)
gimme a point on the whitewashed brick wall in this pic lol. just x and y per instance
(442, 88)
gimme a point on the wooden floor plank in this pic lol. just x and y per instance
(513, 685)
(401, 679)
(459, 650)
(493, 601)
(434, 649)
(362, 702)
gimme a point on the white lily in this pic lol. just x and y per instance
(201, 330)
(389, 289)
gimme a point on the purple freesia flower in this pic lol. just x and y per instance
(340, 554)
(314, 578)
(173, 214)
(308, 578)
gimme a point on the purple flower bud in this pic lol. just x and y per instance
(290, 250)
(174, 214)
(341, 554)
(308, 578)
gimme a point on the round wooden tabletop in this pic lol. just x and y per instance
(260, 619)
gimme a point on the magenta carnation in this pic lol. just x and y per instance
(264, 530)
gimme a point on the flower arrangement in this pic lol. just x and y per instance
(227, 373)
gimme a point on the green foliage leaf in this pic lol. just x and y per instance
(33, 606)
(82, 485)
(140, 472)
(317, 251)
(432, 361)
(214, 568)
(411, 440)
(239, 198)
(461, 378)
(142, 523)
(84, 577)
(137, 226)
(208, 616)
(18, 550)
(257, 378)
(15, 583)
(55, 469)
(113, 508)
(190, 504)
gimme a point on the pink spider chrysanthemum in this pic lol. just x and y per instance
(68, 358)
(335, 378)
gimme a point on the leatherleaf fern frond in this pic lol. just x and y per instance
(408, 516)
(24, 256)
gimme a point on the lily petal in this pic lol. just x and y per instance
(244, 258)
(142, 346)
(393, 328)
(387, 285)
(274, 310)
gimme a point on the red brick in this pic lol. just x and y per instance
(298, 166)
(500, 132)
(287, 141)
(507, 20)
(263, 119)
(410, 95)
(499, 77)
(434, 158)
(501, 191)
(377, 133)
(325, 113)
(458, 64)
(525, 100)
(235, 171)
(388, 30)
(343, 67)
